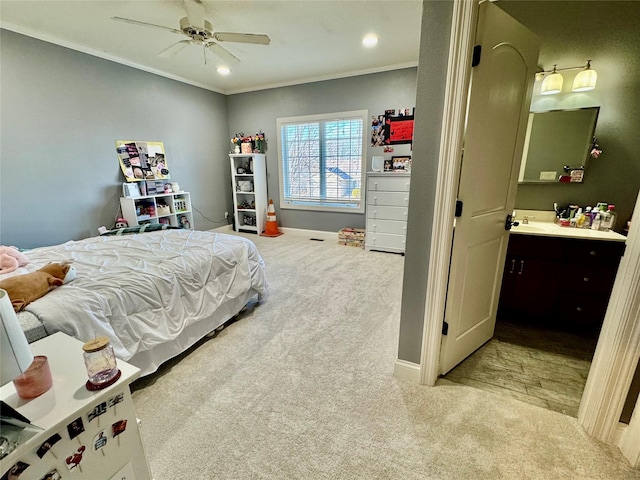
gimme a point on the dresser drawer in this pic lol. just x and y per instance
(395, 227)
(584, 310)
(593, 252)
(389, 184)
(396, 199)
(385, 240)
(387, 213)
(587, 279)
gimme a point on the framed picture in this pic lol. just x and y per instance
(130, 189)
(388, 165)
(401, 163)
(398, 127)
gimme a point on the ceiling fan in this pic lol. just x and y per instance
(200, 33)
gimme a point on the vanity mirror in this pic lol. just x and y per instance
(557, 143)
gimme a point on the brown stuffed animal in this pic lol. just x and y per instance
(24, 289)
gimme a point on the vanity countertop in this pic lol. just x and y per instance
(546, 227)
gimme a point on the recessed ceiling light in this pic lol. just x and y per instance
(223, 70)
(370, 40)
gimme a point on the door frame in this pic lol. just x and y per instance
(618, 348)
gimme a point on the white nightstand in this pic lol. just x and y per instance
(110, 409)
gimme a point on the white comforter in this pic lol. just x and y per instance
(142, 290)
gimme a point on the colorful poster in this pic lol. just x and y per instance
(142, 161)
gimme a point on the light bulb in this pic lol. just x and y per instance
(370, 40)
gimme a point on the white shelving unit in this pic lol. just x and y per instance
(249, 191)
(168, 208)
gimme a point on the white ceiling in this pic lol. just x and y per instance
(310, 39)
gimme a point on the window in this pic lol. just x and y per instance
(322, 159)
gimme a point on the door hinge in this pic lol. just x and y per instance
(445, 328)
(477, 53)
(458, 212)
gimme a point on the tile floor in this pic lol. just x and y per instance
(535, 365)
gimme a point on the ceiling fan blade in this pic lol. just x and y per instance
(195, 12)
(222, 53)
(175, 48)
(242, 38)
(145, 24)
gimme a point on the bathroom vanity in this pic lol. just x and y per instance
(560, 275)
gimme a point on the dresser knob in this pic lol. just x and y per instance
(578, 309)
(592, 253)
(586, 279)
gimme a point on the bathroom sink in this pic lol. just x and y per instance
(528, 228)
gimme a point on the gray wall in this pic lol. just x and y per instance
(249, 112)
(607, 33)
(434, 53)
(62, 112)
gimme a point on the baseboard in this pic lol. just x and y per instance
(619, 432)
(299, 232)
(407, 371)
(310, 233)
(223, 229)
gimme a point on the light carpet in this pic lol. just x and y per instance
(302, 387)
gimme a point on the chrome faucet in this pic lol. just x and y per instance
(526, 218)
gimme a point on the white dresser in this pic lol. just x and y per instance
(387, 209)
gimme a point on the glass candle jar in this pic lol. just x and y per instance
(100, 362)
(35, 380)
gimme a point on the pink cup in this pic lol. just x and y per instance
(36, 380)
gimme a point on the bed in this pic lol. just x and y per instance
(154, 294)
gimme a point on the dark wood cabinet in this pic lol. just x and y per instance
(561, 281)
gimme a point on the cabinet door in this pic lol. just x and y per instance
(529, 286)
(534, 284)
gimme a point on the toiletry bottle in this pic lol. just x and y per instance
(609, 220)
(595, 221)
(579, 218)
(587, 218)
(604, 221)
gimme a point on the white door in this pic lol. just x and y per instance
(499, 99)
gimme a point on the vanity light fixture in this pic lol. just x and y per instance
(551, 84)
(552, 79)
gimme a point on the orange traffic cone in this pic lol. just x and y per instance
(271, 226)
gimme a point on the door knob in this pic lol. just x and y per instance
(509, 223)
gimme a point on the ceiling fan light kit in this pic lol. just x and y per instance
(201, 34)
